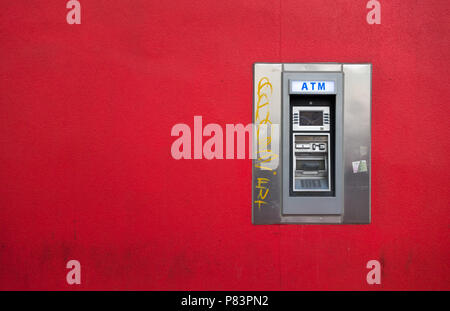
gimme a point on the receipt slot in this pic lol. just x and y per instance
(311, 143)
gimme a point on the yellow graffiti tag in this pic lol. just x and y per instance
(263, 191)
(264, 153)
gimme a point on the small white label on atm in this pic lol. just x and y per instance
(312, 86)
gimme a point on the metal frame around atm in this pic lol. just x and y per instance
(356, 145)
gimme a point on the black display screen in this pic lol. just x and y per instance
(311, 118)
(310, 165)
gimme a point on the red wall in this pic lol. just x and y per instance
(86, 171)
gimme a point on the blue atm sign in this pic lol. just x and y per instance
(312, 87)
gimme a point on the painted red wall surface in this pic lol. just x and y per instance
(86, 171)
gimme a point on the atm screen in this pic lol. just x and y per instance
(311, 117)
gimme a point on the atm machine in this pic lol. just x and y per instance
(311, 143)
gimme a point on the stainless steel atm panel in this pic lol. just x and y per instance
(311, 143)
